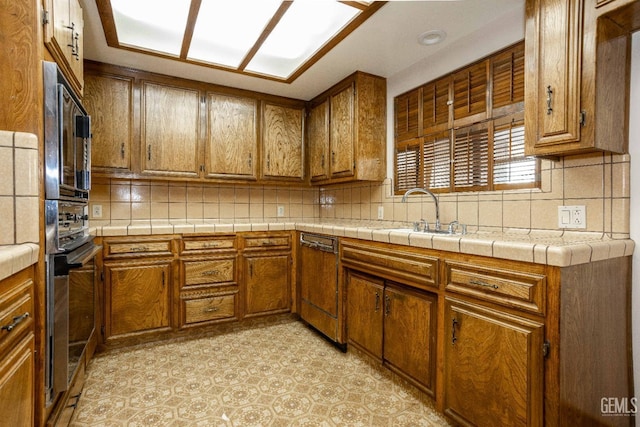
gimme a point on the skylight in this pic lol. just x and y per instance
(274, 39)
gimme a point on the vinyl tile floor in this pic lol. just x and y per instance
(275, 372)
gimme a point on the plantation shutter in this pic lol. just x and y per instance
(435, 105)
(407, 121)
(471, 158)
(470, 92)
(437, 161)
(408, 167)
(508, 77)
(511, 168)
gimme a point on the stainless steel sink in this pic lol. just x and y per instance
(411, 230)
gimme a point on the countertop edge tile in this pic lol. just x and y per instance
(550, 247)
(15, 258)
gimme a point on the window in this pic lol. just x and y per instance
(483, 152)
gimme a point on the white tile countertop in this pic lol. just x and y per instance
(557, 248)
(15, 258)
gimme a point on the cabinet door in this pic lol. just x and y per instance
(410, 333)
(267, 281)
(282, 143)
(108, 101)
(407, 115)
(493, 367)
(318, 137)
(342, 132)
(138, 297)
(17, 398)
(553, 62)
(232, 137)
(364, 313)
(170, 130)
(64, 39)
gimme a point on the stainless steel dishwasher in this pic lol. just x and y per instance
(320, 293)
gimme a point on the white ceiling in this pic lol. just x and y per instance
(385, 44)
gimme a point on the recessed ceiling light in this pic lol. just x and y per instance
(431, 37)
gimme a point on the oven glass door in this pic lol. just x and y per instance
(74, 143)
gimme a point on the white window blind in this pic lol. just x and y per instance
(510, 165)
(407, 168)
(471, 158)
(437, 161)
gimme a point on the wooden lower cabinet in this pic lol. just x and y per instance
(493, 366)
(267, 283)
(17, 350)
(394, 324)
(138, 297)
(16, 384)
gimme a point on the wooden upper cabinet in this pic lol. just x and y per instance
(554, 35)
(282, 142)
(507, 78)
(407, 117)
(231, 147)
(357, 131)
(470, 94)
(436, 106)
(318, 140)
(170, 130)
(64, 39)
(342, 132)
(108, 99)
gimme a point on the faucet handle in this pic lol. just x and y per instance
(453, 224)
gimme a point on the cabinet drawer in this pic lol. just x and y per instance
(211, 308)
(521, 289)
(207, 244)
(16, 311)
(208, 272)
(406, 266)
(137, 247)
(267, 242)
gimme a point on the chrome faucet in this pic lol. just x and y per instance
(424, 191)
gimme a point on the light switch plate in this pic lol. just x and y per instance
(572, 217)
(280, 211)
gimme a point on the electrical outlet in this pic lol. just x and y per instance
(96, 211)
(280, 211)
(380, 212)
(572, 217)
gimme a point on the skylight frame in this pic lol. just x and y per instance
(366, 10)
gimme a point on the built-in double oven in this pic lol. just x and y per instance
(69, 247)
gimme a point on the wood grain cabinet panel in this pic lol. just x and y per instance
(64, 38)
(108, 99)
(231, 148)
(282, 143)
(170, 131)
(138, 297)
(410, 333)
(210, 309)
(267, 283)
(17, 384)
(209, 272)
(493, 364)
(356, 131)
(318, 140)
(365, 313)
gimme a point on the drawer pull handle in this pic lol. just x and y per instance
(211, 309)
(138, 249)
(211, 245)
(269, 243)
(16, 321)
(485, 284)
(211, 273)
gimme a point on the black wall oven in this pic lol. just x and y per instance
(68, 243)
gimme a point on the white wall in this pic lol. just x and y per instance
(634, 151)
